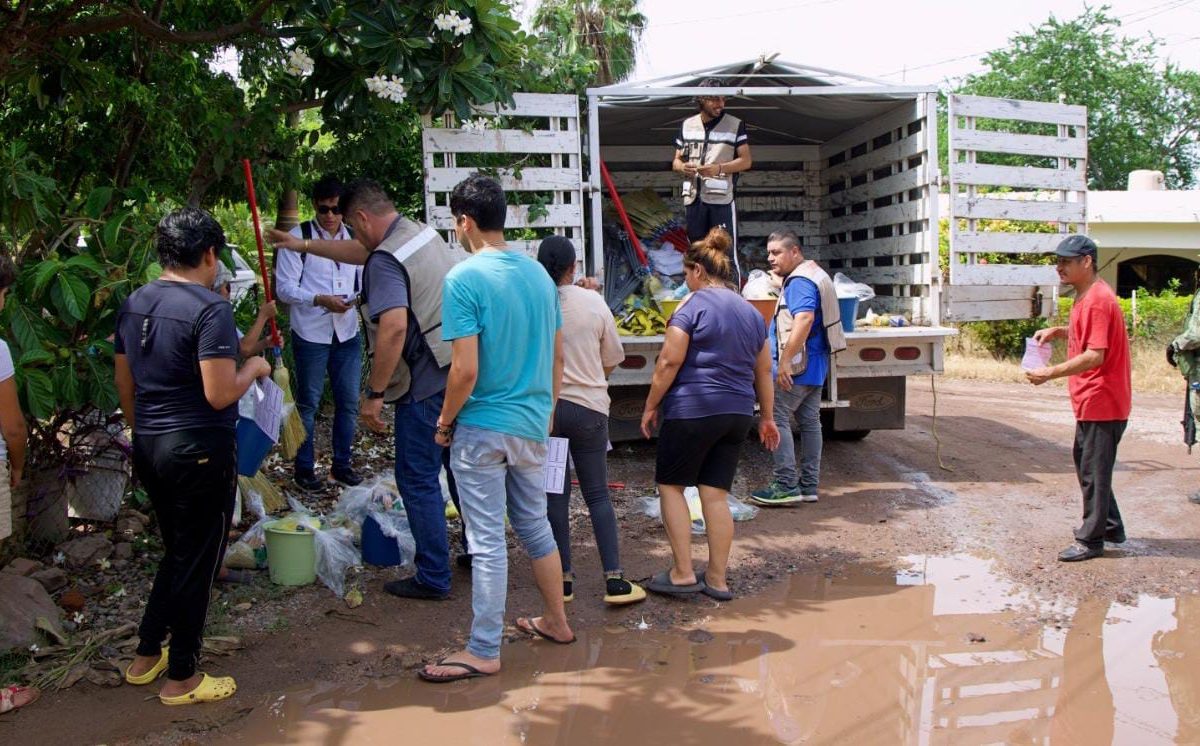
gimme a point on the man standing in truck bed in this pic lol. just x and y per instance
(710, 148)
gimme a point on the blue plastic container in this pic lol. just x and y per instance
(378, 549)
(849, 309)
(252, 446)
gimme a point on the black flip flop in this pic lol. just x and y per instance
(469, 672)
(532, 629)
(713, 592)
(661, 583)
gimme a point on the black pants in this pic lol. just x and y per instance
(1095, 455)
(703, 217)
(587, 433)
(191, 478)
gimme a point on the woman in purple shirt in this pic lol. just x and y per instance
(714, 362)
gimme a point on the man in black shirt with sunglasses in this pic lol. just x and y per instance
(321, 295)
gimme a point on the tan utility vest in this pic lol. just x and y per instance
(718, 145)
(831, 314)
(425, 259)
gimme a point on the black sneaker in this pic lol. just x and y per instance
(412, 588)
(347, 476)
(307, 481)
(463, 561)
(1078, 552)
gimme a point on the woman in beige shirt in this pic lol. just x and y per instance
(591, 349)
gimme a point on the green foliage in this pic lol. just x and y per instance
(588, 42)
(116, 111)
(1143, 111)
(1159, 319)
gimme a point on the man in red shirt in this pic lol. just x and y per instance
(1098, 366)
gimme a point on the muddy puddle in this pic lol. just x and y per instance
(943, 651)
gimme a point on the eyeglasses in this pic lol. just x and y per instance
(326, 209)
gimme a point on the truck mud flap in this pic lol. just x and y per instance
(875, 404)
(625, 413)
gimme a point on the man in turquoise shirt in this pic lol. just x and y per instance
(500, 311)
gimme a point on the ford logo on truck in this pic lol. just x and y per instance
(872, 401)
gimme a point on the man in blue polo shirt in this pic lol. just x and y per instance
(801, 350)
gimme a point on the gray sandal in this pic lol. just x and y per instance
(661, 583)
(713, 592)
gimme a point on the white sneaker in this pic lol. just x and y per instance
(808, 498)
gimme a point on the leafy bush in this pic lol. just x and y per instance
(1159, 318)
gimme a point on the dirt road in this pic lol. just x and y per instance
(889, 517)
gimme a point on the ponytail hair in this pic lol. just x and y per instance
(712, 253)
(557, 255)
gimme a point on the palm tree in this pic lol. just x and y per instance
(608, 31)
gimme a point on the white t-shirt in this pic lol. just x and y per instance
(590, 344)
(6, 372)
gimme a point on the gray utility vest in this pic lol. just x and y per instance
(831, 314)
(706, 147)
(425, 259)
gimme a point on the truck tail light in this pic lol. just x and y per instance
(633, 362)
(871, 354)
(907, 353)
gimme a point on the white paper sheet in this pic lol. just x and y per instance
(1036, 355)
(268, 407)
(556, 464)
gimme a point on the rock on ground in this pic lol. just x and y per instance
(22, 602)
(52, 579)
(86, 550)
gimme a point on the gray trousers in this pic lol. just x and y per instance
(805, 403)
(1095, 456)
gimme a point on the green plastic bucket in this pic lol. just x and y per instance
(291, 554)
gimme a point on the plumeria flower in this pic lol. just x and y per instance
(78, 618)
(33, 649)
(387, 87)
(452, 21)
(299, 63)
(59, 558)
(104, 564)
(479, 124)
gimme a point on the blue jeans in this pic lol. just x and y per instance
(495, 471)
(805, 401)
(343, 362)
(418, 464)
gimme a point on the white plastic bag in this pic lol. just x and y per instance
(847, 288)
(738, 509)
(249, 551)
(665, 260)
(335, 555)
(760, 286)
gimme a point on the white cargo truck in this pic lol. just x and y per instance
(848, 163)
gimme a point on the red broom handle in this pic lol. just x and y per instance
(262, 256)
(616, 198)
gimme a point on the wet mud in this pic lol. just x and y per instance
(940, 651)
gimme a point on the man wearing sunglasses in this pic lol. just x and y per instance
(321, 295)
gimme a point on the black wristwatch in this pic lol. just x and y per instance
(372, 394)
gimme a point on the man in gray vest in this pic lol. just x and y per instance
(805, 332)
(710, 149)
(402, 298)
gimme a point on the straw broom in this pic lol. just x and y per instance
(258, 484)
(292, 433)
